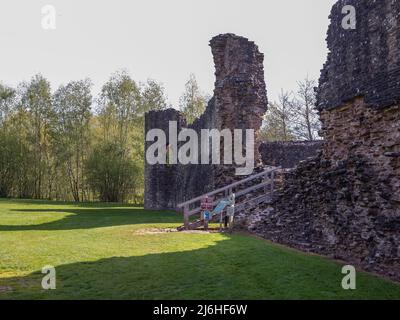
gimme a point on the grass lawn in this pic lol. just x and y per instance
(105, 251)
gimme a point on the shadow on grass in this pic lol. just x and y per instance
(92, 204)
(235, 268)
(93, 217)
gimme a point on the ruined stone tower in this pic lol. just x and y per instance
(239, 102)
(345, 203)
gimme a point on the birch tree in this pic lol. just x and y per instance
(305, 119)
(72, 133)
(192, 102)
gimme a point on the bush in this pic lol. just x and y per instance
(111, 172)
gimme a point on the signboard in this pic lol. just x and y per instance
(207, 204)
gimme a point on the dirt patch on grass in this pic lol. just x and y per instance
(5, 289)
(173, 230)
(155, 231)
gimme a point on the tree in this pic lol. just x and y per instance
(7, 100)
(36, 101)
(305, 120)
(118, 107)
(8, 143)
(111, 172)
(294, 117)
(9, 163)
(277, 120)
(119, 122)
(20, 150)
(72, 133)
(192, 102)
(153, 96)
(119, 128)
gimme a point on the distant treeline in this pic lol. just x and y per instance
(69, 146)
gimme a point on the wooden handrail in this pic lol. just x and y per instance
(257, 186)
(237, 195)
(235, 184)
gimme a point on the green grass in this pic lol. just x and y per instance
(106, 252)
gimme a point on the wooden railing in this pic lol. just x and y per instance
(192, 206)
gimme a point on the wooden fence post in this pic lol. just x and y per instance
(265, 179)
(186, 217)
(272, 182)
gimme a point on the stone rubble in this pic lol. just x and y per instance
(345, 202)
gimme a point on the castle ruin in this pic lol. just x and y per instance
(239, 102)
(345, 203)
(342, 198)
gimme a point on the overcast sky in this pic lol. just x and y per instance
(161, 39)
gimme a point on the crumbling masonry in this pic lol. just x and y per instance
(345, 203)
(239, 102)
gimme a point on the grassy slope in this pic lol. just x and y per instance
(101, 252)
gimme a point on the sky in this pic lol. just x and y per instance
(165, 40)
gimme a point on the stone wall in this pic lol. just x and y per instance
(288, 154)
(163, 181)
(365, 61)
(345, 202)
(239, 102)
